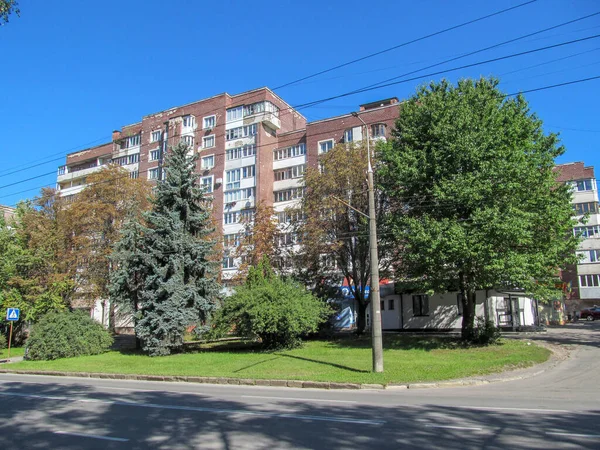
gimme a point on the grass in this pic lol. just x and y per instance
(14, 351)
(407, 359)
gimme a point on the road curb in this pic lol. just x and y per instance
(552, 362)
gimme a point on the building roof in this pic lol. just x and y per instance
(573, 171)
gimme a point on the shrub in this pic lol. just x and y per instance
(486, 332)
(65, 335)
(278, 312)
(2, 341)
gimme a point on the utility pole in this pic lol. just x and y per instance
(376, 335)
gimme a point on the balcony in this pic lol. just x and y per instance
(64, 173)
(270, 118)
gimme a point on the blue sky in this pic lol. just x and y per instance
(73, 73)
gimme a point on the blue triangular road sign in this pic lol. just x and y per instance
(12, 314)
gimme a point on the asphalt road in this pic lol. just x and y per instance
(557, 409)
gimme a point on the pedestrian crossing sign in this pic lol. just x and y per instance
(12, 314)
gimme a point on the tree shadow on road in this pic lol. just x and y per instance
(184, 420)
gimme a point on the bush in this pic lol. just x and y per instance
(486, 332)
(65, 335)
(2, 342)
(278, 312)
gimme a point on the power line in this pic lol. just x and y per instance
(453, 69)
(583, 80)
(437, 33)
(488, 48)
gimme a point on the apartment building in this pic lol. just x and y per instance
(583, 279)
(253, 147)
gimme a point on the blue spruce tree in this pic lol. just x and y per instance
(180, 287)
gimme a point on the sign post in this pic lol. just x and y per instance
(12, 315)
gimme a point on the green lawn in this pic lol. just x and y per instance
(407, 359)
(14, 351)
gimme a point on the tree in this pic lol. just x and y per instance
(128, 274)
(333, 228)
(475, 203)
(7, 7)
(179, 269)
(257, 240)
(96, 216)
(276, 311)
(33, 274)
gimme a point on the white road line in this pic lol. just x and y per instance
(452, 427)
(92, 436)
(338, 419)
(299, 399)
(567, 434)
(490, 408)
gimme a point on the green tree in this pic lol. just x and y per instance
(334, 229)
(475, 202)
(128, 274)
(7, 7)
(276, 311)
(180, 287)
(96, 216)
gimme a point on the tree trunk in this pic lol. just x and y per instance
(361, 320)
(468, 321)
(111, 317)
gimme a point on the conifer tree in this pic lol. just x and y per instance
(180, 287)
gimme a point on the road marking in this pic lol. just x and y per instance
(486, 408)
(338, 419)
(452, 427)
(567, 434)
(92, 436)
(300, 399)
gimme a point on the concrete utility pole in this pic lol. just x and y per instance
(376, 335)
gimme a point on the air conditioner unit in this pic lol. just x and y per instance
(219, 181)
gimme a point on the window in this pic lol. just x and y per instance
(188, 121)
(235, 113)
(378, 130)
(587, 232)
(209, 122)
(228, 263)
(247, 215)
(348, 135)
(208, 141)
(289, 152)
(62, 170)
(594, 255)
(239, 194)
(240, 152)
(188, 140)
(285, 239)
(420, 305)
(207, 162)
(391, 304)
(241, 132)
(153, 174)
(382, 305)
(155, 136)
(232, 178)
(256, 108)
(584, 185)
(589, 280)
(585, 208)
(325, 146)
(248, 171)
(134, 175)
(290, 172)
(207, 183)
(126, 160)
(289, 216)
(231, 240)
(288, 194)
(131, 141)
(231, 217)
(154, 155)
(459, 303)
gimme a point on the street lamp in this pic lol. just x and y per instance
(376, 335)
